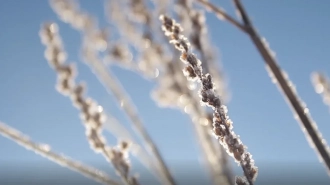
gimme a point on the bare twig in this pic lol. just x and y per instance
(60, 159)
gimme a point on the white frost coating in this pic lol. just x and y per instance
(306, 111)
(225, 135)
(60, 159)
(90, 31)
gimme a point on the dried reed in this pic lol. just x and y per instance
(301, 112)
(222, 125)
(171, 85)
(135, 22)
(91, 113)
(88, 29)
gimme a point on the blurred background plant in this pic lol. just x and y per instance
(135, 76)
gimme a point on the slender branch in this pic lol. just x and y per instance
(285, 85)
(221, 14)
(60, 159)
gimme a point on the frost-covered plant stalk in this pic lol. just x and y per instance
(91, 113)
(222, 125)
(45, 151)
(278, 76)
(69, 12)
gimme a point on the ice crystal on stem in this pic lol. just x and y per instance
(222, 125)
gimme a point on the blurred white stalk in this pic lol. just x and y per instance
(95, 41)
(120, 132)
(113, 86)
(45, 151)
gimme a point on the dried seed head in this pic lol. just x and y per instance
(222, 125)
(241, 181)
(96, 141)
(124, 145)
(189, 73)
(192, 60)
(64, 85)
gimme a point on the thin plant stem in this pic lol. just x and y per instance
(214, 154)
(308, 125)
(112, 84)
(60, 159)
(222, 125)
(221, 14)
(91, 113)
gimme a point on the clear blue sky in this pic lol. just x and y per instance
(297, 30)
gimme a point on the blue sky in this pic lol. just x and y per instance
(297, 30)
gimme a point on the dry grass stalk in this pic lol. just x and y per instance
(113, 86)
(172, 88)
(175, 94)
(216, 157)
(91, 113)
(222, 15)
(70, 13)
(45, 151)
(299, 108)
(289, 92)
(137, 29)
(198, 35)
(222, 125)
(194, 22)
